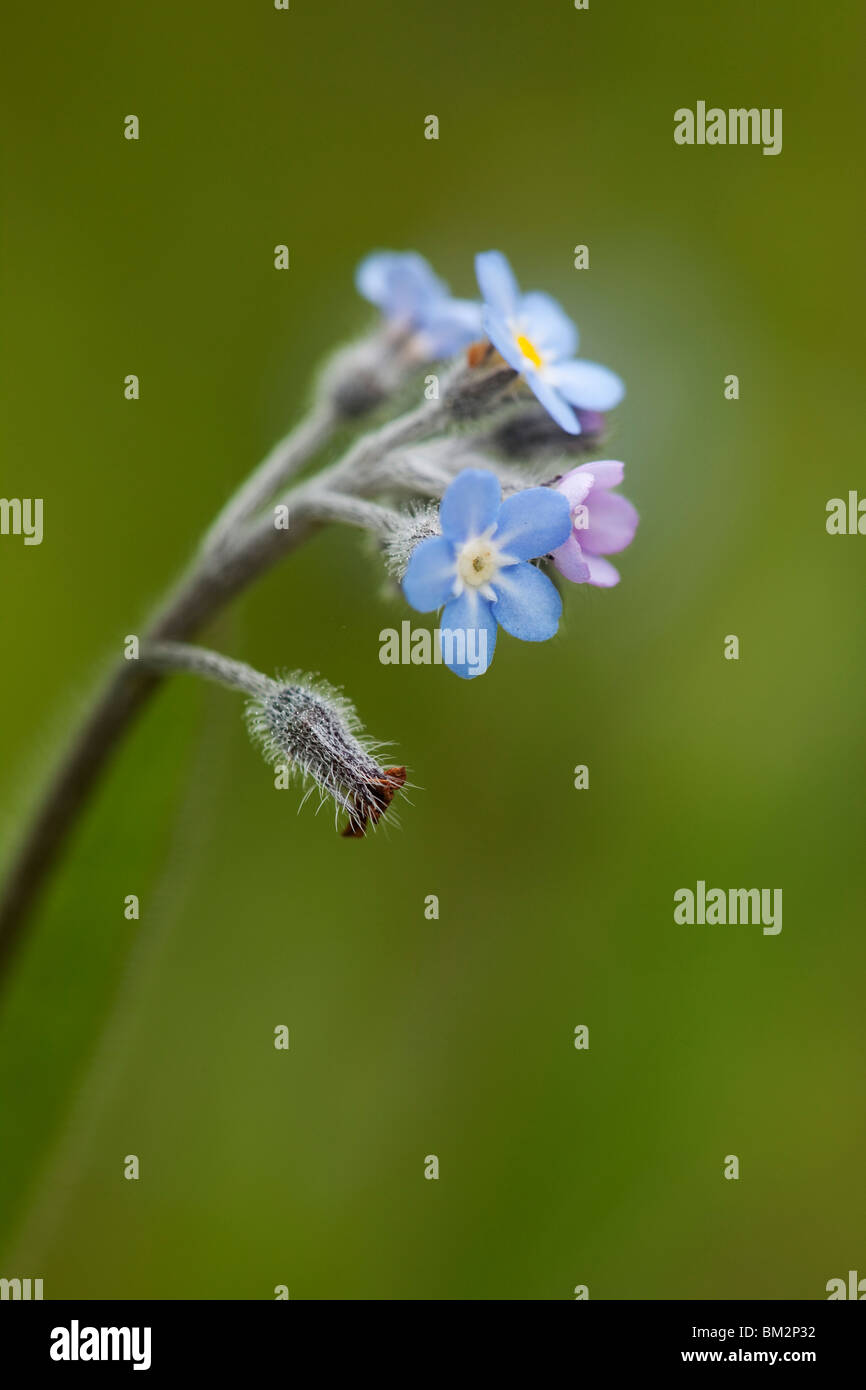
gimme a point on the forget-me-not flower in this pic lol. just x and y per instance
(478, 567)
(603, 523)
(538, 339)
(403, 285)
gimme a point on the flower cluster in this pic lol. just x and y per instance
(529, 331)
(484, 563)
(481, 523)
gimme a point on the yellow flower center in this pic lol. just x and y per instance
(478, 562)
(529, 350)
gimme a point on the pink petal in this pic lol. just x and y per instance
(575, 486)
(570, 561)
(602, 572)
(607, 472)
(612, 523)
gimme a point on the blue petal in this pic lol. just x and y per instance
(533, 522)
(451, 324)
(472, 628)
(547, 326)
(587, 384)
(401, 283)
(503, 340)
(497, 284)
(413, 287)
(430, 576)
(527, 605)
(371, 276)
(555, 404)
(470, 505)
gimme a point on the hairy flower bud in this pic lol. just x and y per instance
(312, 730)
(473, 391)
(532, 433)
(414, 526)
(361, 376)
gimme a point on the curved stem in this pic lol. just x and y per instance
(167, 657)
(284, 460)
(355, 511)
(355, 381)
(113, 713)
(121, 700)
(217, 575)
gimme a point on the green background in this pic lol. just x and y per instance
(454, 1037)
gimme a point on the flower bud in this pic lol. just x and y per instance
(360, 377)
(533, 432)
(314, 732)
(413, 527)
(475, 390)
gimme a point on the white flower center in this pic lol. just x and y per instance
(479, 561)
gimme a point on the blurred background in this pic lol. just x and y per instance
(452, 1037)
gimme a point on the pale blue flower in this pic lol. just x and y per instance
(403, 285)
(478, 567)
(538, 339)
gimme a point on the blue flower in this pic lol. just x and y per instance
(539, 340)
(478, 568)
(411, 296)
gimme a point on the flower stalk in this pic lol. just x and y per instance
(303, 726)
(476, 422)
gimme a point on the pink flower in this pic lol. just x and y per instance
(602, 523)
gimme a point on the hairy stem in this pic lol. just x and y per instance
(356, 511)
(117, 705)
(217, 575)
(168, 657)
(356, 380)
(284, 460)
